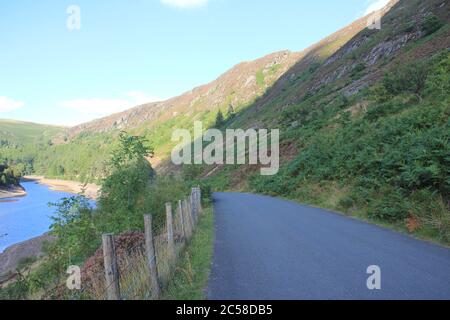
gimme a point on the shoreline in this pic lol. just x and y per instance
(15, 253)
(91, 190)
(12, 192)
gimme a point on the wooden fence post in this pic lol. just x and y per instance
(180, 214)
(194, 205)
(200, 199)
(187, 220)
(151, 257)
(111, 268)
(169, 222)
(191, 216)
(192, 210)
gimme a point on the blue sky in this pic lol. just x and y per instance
(129, 52)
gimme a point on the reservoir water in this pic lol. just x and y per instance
(27, 217)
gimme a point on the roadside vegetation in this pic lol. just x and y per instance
(390, 163)
(192, 274)
(381, 155)
(130, 190)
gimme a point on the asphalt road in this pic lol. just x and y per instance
(270, 249)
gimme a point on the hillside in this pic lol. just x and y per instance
(238, 87)
(363, 117)
(80, 152)
(26, 132)
(365, 131)
(21, 142)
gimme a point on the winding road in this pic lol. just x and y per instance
(270, 249)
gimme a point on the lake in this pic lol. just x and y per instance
(27, 217)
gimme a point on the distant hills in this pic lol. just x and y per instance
(26, 132)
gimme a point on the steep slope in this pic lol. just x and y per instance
(363, 58)
(246, 86)
(80, 152)
(365, 131)
(237, 87)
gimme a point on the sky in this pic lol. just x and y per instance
(68, 62)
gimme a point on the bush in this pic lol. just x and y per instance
(431, 24)
(346, 202)
(388, 203)
(411, 77)
(360, 67)
(438, 82)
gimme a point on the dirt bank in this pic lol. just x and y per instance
(10, 258)
(91, 190)
(11, 192)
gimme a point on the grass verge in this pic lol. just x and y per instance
(192, 273)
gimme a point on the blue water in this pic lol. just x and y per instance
(27, 217)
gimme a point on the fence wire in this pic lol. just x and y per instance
(133, 262)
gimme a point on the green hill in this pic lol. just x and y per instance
(22, 142)
(26, 132)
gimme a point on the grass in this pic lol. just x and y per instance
(192, 273)
(260, 78)
(330, 197)
(17, 131)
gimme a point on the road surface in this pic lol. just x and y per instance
(270, 249)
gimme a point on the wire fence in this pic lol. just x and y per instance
(136, 265)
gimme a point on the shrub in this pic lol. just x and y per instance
(411, 77)
(431, 24)
(346, 202)
(388, 204)
(220, 120)
(360, 67)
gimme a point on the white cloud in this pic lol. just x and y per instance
(7, 104)
(185, 3)
(139, 97)
(375, 5)
(102, 107)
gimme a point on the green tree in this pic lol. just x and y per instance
(122, 193)
(230, 113)
(75, 232)
(219, 119)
